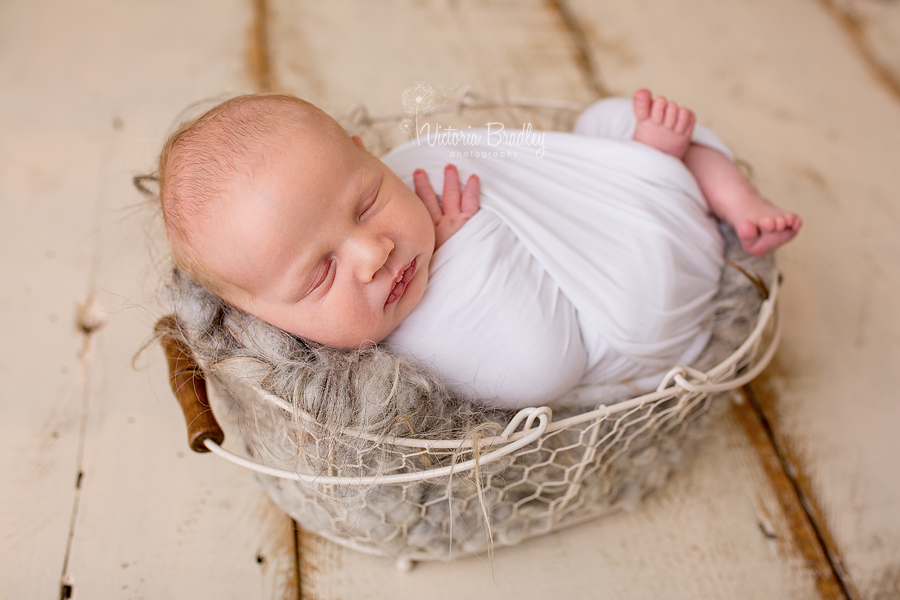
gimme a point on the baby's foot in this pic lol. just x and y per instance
(662, 124)
(762, 226)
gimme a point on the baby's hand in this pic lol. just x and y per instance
(454, 209)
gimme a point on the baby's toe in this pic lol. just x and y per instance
(747, 232)
(767, 224)
(658, 110)
(791, 221)
(642, 101)
(780, 223)
(671, 115)
(685, 118)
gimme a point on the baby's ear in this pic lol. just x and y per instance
(358, 141)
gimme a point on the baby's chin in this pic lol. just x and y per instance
(349, 342)
(371, 339)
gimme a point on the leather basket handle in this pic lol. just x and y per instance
(189, 388)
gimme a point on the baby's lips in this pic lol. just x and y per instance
(400, 286)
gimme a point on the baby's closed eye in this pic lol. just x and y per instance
(322, 279)
(373, 203)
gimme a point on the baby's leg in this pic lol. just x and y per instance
(760, 225)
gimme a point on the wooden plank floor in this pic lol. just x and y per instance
(794, 495)
(98, 487)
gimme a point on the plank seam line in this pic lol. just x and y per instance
(792, 472)
(854, 29)
(260, 58)
(88, 327)
(582, 47)
(295, 527)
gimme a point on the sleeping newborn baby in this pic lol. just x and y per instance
(586, 258)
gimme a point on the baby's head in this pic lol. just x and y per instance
(270, 205)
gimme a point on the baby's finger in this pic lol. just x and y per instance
(426, 194)
(471, 200)
(451, 197)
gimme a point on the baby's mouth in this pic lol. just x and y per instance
(400, 284)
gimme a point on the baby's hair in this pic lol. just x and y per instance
(204, 156)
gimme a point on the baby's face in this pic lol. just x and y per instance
(325, 240)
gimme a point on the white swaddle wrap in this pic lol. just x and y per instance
(590, 261)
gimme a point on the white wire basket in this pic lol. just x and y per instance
(415, 499)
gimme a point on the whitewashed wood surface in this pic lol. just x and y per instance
(88, 92)
(804, 90)
(873, 26)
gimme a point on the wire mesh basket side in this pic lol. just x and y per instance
(568, 476)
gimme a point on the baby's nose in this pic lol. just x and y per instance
(372, 252)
